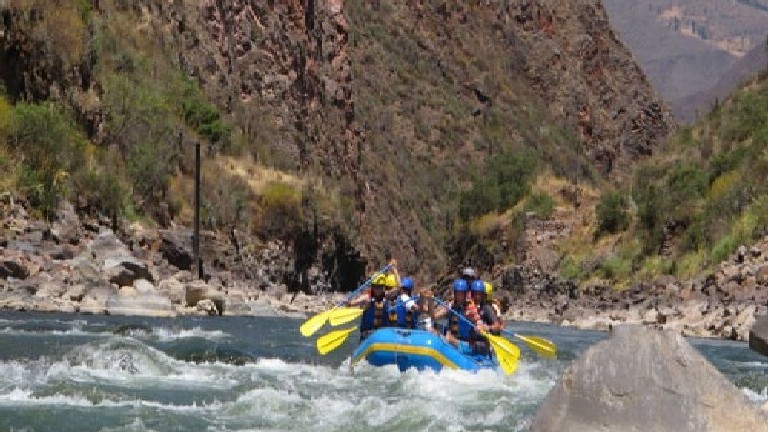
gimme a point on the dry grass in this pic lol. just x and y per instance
(255, 175)
(488, 224)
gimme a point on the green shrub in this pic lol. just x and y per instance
(648, 195)
(690, 264)
(505, 181)
(571, 269)
(749, 113)
(149, 166)
(695, 235)
(142, 123)
(51, 147)
(229, 197)
(612, 213)
(616, 268)
(280, 205)
(725, 161)
(482, 198)
(541, 204)
(724, 247)
(686, 185)
(103, 191)
(85, 9)
(653, 266)
(6, 116)
(138, 114)
(202, 115)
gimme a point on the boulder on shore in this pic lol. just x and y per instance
(140, 299)
(645, 380)
(758, 336)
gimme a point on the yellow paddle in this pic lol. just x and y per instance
(344, 315)
(333, 340)
(312, 325)
(315, 323)
(507, 353)
(539, 345)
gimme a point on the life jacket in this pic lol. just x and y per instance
(375, 316)
(471, 311)
(474, 313)
(392, 311)
(459, 327)
(406, 318)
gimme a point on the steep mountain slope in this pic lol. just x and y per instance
(396, 106)
(753, 62)
(697, 204)
(687, 46)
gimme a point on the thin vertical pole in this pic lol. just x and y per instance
(196, 242)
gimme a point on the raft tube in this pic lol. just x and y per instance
(418, 349)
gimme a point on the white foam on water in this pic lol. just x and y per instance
(19, 397)
(14, 373)
(132, 364)
(758, 398)
(75, 322)
(275, 365)
(135, 426)
(72, 332)
(192, 379)
(427, 400)
(753, 364)
(165, 334)
(510, 396)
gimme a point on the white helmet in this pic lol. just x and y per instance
(468, 271)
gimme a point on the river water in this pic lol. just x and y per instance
(99, 373)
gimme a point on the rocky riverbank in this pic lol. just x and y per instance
(722, 304)
(80, 264)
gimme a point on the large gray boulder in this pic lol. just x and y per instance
(198, 290)
(176, 247)
(645, 380)
(758, 336)
(141, 299)
(125, 270)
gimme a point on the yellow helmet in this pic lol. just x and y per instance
(379, 280)
(391, 281)
(488, 290)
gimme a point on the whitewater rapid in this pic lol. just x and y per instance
(60, 373)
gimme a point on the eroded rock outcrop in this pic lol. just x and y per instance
(646, 380)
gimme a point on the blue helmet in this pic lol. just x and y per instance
(460, 285)
(478, 286)
(407, 284)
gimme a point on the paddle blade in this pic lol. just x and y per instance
(333, 340)
(344, 315)
(539, 345)
(507, 353)
(506, 362)
(315, 323)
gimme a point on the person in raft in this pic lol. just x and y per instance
(459, 332)
(375, 307)
(407, 306)
(374, 302)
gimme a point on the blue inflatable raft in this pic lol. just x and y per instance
(418, 349)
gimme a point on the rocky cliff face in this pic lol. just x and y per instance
(589, 80)
(396, 103)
